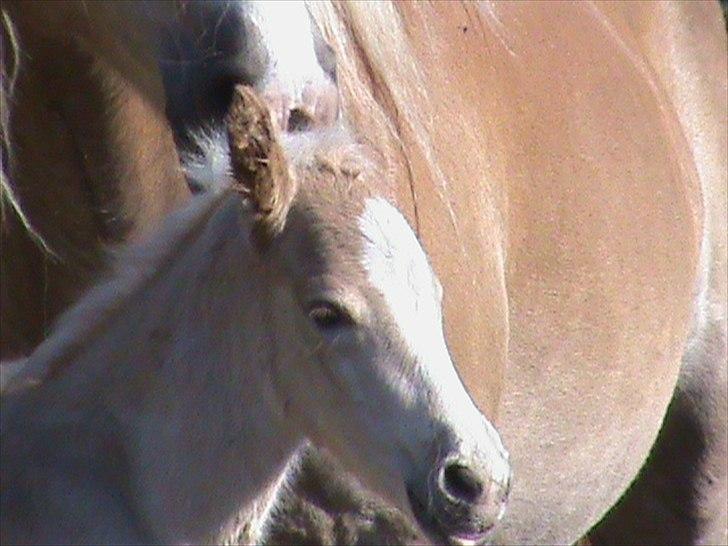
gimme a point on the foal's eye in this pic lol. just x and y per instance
(327, 315)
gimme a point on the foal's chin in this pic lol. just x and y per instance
(434, 533)
(391, 485)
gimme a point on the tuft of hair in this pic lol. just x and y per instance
(207, 165)
(332, 149)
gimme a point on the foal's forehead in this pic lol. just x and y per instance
(389, 241)
(397, 267)
(393, 258)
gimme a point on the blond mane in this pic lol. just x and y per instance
(383, 89)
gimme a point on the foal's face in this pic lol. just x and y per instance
(369, 376)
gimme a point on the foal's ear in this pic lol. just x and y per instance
(260, 167)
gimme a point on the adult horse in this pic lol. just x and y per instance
(566, 173)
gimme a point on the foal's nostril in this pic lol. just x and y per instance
(298, 121)
(461, 483)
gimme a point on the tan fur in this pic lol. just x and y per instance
(572, 177)
(387, 100)
(564, 165)
(685, 45)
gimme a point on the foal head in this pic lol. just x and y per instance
(362, 367)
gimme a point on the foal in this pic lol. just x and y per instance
(295, 304)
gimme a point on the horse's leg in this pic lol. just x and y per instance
(299, 83)
(276, 49)
(89, 160)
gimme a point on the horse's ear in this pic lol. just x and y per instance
(260, 167)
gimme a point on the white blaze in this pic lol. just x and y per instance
(397, 266)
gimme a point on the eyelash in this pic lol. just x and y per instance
(328, 316)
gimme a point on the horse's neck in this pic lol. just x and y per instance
(178, 351)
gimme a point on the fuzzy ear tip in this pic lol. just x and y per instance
(250, 129)
(259, 164)
(251, 139)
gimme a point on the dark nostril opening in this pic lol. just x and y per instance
(462, 483)
(298, 121)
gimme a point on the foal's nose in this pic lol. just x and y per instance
(469, 496)
(460, 484)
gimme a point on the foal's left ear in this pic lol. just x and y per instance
(260, 167)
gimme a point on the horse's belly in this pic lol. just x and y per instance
(604, 230)
(597, 329)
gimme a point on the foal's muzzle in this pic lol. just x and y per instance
(467, 498)
(467, 493)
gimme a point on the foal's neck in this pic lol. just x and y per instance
(178, 350)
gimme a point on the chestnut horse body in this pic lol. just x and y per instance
(563, 164)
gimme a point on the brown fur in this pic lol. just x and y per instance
(93, 161)
(260, 169)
